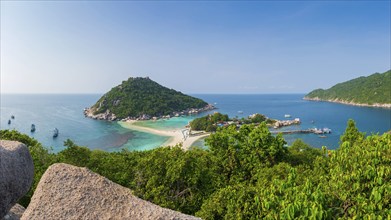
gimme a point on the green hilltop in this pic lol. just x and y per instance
(370, 90)
(140, 96)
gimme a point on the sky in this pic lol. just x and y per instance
(233, 47)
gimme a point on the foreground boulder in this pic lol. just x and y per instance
(16, 174)
(15, 213)
(69, 192)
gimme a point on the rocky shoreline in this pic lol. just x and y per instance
(109, 116)
(375, 105)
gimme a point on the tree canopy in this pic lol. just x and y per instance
(365, 90)
(246, 173)
(138, 96)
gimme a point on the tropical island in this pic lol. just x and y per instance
(140, 98)
(371, 91)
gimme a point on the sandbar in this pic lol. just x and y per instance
(176, 136)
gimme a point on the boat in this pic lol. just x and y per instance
(9, 122)
(12, 117)
(326, 130)
(322, 136)
(287, 116)
(55, 133)
(240, 112)
(32, 127)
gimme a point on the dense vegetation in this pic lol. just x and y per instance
(246, 174)
(208, 122)
(365, 90)
(138, 96)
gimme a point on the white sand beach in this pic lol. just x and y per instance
(177, 136)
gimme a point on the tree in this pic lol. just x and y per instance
(351, 134)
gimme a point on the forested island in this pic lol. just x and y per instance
(211, 122)
(373, 90)
(245, 174)
(143, 98)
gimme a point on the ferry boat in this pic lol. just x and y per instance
(32, 127)
(55, 133)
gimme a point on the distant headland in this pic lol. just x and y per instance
(140, 98)
(371, 91)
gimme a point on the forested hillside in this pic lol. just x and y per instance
(138, 96)
(375, 88)
(246, 174)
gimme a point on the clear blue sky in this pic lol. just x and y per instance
(194, 47)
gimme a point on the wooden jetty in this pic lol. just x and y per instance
(306, 131)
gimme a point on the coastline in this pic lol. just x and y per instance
(375, 105)
(176, 136)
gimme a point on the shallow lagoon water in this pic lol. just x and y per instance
(66, 113)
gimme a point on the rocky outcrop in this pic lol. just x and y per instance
(16, 173)
(376, 105)
(69, 192)
(15, 213)
(108, 116)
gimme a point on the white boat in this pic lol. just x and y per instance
(287, 116)
(240, 112)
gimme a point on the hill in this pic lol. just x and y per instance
(374, 90)
(143, 98)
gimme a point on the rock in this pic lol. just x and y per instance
(15, 213)
(16, 173)
(69, 192)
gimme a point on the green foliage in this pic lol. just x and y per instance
(175, 179)
(300, 153)
(42, 159)
(138, 96)
(242, 152)
(208, 122)
(246, 174)
(257, 118)
(360, 178)
(351, 134)
(369, 90)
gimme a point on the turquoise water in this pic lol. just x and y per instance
(167, 124)
(66, 113)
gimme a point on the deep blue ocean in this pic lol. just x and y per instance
(65, 112)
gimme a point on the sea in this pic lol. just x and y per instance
(65, 112)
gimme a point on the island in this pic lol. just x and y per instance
(371, 91)
(140, 98)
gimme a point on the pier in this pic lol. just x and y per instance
(305, 131)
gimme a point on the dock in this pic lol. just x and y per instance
(305, 131)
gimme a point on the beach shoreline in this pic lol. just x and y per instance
(176, 136)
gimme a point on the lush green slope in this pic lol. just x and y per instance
(245, 174)
(375, 88)
(138, 96)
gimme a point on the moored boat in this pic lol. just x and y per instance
(12, 117)
(55, 133)
(9, 121)
(32, 128)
